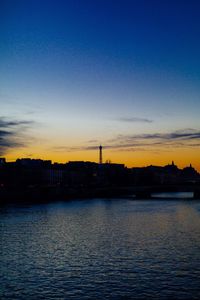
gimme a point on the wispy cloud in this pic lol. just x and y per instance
(186, 134)
(175, 138)
(134, 120)
(12, 134)
(93, 141)
(8, 124)
(144, 142)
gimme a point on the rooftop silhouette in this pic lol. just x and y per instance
(36, 178)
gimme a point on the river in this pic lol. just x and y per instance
(101, 249)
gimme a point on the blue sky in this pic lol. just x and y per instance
(77, 71)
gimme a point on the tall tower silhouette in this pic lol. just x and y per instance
(100, 155)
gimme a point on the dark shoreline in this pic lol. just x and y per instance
(46, 194)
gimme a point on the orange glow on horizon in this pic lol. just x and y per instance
(182, 158)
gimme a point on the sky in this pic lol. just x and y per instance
(125, 74)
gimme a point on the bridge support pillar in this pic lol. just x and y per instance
(197, 193)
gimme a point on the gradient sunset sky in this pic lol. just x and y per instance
(77, 73)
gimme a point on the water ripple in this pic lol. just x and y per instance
(101, 249)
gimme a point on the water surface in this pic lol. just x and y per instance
(101, 249)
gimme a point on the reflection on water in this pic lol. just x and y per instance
(101, 249)
(172, 195)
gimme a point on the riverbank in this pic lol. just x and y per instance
(46, 193)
